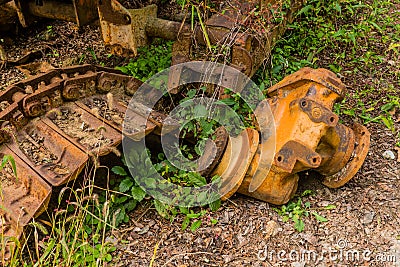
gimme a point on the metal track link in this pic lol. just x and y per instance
(51, 124)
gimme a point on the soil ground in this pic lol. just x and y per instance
(363, 229)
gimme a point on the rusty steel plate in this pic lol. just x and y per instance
(22, 198)
(164, 124)
(83, 129)
(54, 158)
(236, 160)
(342, 139)
(105, 108)
(213, 152)
(112, 112)
(321, 76)
(266, 149)
(362, 137)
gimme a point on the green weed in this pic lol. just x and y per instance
(9, 159)
(126, 195)
(342, 35)
(346, 28)
(151, 60)
(127, 192)
(386, 108)
(78, 231)
(297, 210)
(47, 34)
(74, 233)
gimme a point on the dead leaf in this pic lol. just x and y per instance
(46, 222)
(144, 230)
(272, 229)
(3, 55)
(384, 186)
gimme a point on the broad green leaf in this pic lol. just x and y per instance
(196, 179)
(307, 193)
(131, 205)
(138, 193)
(305, 9)
(214, 206)
(319, 217)
(202, 197)
(161, 208)
(330, 207)
(338, 8)
(339, 33)
(185, 223)
(299, 225)
(119, 170)
(123, 69)
(195, 225)
(125, 185)
(376, 26)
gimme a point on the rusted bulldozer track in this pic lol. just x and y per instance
(52, 123)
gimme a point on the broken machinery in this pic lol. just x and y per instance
(51, 124)
(247, 29)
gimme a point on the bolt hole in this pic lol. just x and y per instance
(303, 103)
(280, 158)
(314, 160)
